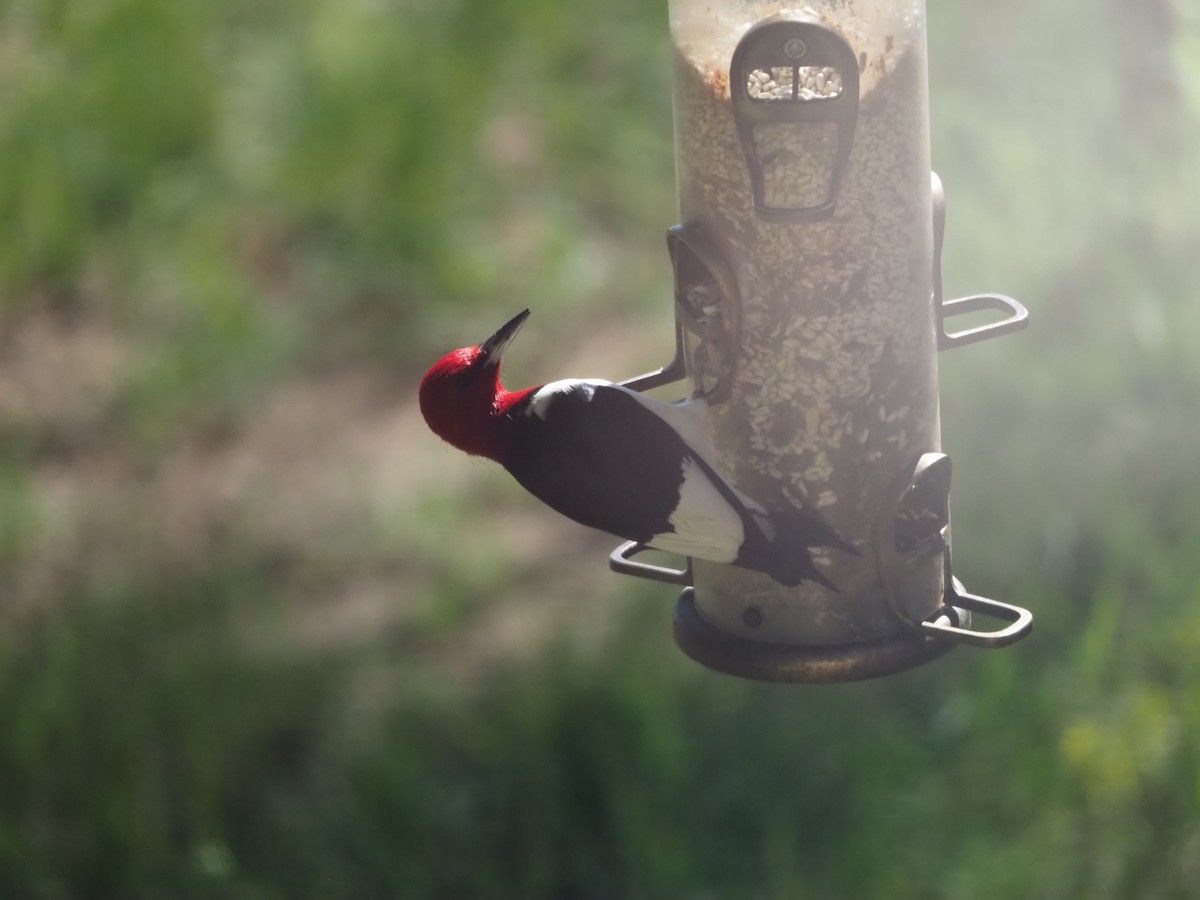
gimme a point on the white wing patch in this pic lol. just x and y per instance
(539, 403)
(706, 526)
(690, 418)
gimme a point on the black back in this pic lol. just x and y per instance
(601, 458)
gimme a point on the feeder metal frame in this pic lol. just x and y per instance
(925, 639)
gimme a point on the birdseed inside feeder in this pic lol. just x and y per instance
(810, 317)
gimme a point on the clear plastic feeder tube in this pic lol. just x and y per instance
(833, 393)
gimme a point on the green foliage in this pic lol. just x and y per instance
(250, 195)
(139, 743)
(194, 768)
(101, 98)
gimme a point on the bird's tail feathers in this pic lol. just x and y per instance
(805, 527)
(785, 556)
(814, 574)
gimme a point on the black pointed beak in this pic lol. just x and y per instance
(493, 348)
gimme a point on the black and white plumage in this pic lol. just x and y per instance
(613, 459)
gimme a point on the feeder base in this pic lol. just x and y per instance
(813, 664)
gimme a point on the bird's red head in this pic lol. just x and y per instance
(461, 397)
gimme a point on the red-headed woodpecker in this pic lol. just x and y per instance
(611, 458)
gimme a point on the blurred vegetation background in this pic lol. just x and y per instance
(261, 636)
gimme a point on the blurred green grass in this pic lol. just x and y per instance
(240, 655)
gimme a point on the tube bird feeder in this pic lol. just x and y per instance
(809, 315)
